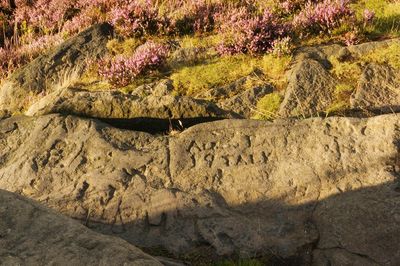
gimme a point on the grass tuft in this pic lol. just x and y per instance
(213, 73)
(268, 106)
(217, 72)
(387, 20)
(125, 47)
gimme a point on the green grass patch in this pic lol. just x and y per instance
(213, 73)
(274, 68)
(221, 71)
(387, 18)
(346, 71)
(242, 262)
(342, 89)
(268, 106)
(207, 41)
(342, 98)
(125, 47)
(389, 55)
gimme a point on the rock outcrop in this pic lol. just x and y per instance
(160, 88)
(149, 113)
(59, 66)
(327, 187)
(33, 235)
(311, 85)
(315, 192)
(114, 104)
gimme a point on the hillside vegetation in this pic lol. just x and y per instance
(219, 40)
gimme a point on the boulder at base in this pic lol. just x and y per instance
(243, 186)
(33, 235)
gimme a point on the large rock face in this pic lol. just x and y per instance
(61, 65)
(322, 187)
(33, 235)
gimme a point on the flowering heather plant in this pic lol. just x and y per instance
(368, 16)
(351, 38)
(288, 6)
(44, 15)
(282, 47)
(85, 19)
(37, 46)
(196, 16)
(134, 18)
(245, 32)
(122, 70)
(323, 16)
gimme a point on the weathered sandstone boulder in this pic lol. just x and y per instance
(364, 48)
(33, 235)
(115, 104)
(159, 88)
(60, 65)
(245, 103)
(311, 85)
(310, 89)
(233, 89)
(378, 89)
(322, 187)
(150, 113)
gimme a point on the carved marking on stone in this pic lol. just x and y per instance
(237, 153)
(193, 147)
(226, 160)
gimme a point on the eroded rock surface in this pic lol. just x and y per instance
(160, 88)
(327, 187)
(33, 235)
(310, 89)
(378, 89)
(245, 103)
(152, 113)
(311, 83)
(115, 104)
(61, 65)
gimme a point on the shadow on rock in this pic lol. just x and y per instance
(356, 227)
